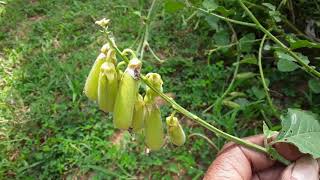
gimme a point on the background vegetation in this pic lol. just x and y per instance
(48, 128)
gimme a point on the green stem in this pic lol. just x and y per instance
(230, 45)
(283, 18)
(265, 87)
(282, 3)
(154, 54)
(144, 40)
(308, 68)
(217, 104)
(190, 115)
(225, 18)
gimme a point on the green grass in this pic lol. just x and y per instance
(50, 130)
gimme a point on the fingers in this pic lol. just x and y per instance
(236, 162)
(270, 173)
(230, 164)
(304, 168)
(258, 160)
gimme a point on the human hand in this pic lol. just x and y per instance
(235, 162)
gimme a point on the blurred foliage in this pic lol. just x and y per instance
(48, 128)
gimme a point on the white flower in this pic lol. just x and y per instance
(103, 22)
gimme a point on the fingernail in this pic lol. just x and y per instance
(306, 168)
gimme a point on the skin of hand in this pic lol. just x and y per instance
(235, 162)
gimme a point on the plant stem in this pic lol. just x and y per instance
(225, 18)
(217, 104)
(230, 45)
(144, 40)
(308, 68)
(265, 87)
(190, 115)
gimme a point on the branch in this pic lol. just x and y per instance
(308, 68)
(265, 87)
(188, 114)
(225, 18)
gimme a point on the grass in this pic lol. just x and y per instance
(48, 128)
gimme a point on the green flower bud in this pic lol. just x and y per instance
(175, 131)
(108, 87)
(156, 81)
(154, 135)
(138, 114)
(127, 95)
(91, 85)
(231, 104)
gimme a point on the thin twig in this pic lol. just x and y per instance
(205, 138)
(224, 18)
(265, 87)
(306, 67)
(217, 104)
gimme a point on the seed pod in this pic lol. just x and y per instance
(91, 85)
(231, 104)
(156, 81)
(154, 136)
(245, 75)
(127, 95)
(237, 94)
(138, 115)
(175, 131)
(108, 87)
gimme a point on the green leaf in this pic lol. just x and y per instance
(286, 66)
(287, 63)
(221, 38)
(270, 6)
(276, 15)
(223, 11)
(210, 4)
(242, 102)
(302, 129)
(259, 93)
(195, 2)
(246, 42)
(314, 85)
(172, 6)
(213, 22)
(249, 59)
(303, 43)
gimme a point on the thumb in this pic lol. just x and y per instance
(304, 168)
